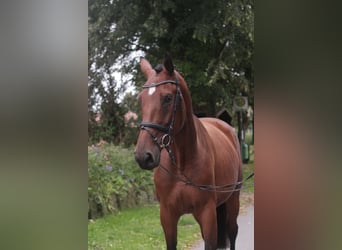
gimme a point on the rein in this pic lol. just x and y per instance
(210, 188)
(165, 140)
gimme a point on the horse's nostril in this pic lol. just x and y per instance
(148, 158)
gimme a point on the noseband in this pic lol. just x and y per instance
(165, 140)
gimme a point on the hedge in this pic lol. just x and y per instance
(115, 181)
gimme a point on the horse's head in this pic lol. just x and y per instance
(162, 114)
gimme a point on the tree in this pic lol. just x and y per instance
(211, 43)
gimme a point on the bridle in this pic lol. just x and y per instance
(165, 140)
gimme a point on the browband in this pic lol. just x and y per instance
(160, 83)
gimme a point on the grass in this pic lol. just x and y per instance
(138, 228)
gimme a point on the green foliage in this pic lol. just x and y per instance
(115, 181)
(211, 43)
(138, 228)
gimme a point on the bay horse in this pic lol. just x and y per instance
(192, 158)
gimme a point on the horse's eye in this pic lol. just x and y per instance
(167, 99)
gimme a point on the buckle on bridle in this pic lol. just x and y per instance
(165, 141)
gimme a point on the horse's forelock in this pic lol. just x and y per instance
(158, 68)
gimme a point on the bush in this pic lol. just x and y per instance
(115, 181)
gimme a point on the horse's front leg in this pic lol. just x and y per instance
(169, 220)
(206, 218)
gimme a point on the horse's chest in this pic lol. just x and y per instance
(180, 196)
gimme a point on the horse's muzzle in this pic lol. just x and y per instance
(147, 160)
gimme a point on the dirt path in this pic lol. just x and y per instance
(245, 238)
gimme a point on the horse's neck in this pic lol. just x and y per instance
(186, 141)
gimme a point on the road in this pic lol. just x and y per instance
(245, 238)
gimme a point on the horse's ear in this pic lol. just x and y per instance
(168, 64)
(145, 67)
